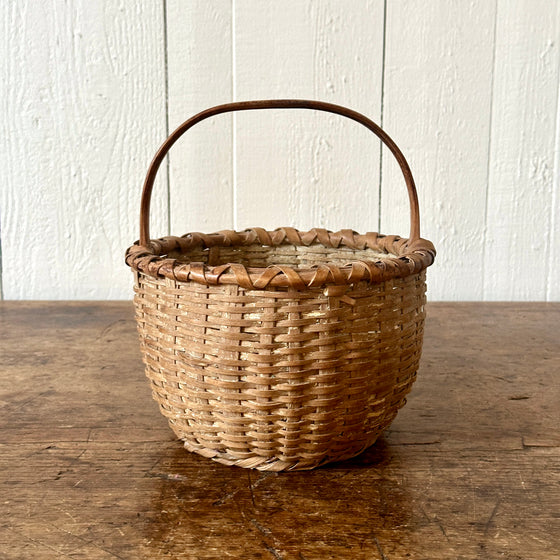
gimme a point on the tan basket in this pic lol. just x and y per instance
(280, 349)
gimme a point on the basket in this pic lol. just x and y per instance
(280, 350)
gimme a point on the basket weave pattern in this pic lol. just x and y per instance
(280, 349)
(279, 378)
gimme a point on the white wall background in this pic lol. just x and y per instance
(468, 89)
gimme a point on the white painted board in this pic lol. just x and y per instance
(520, 184)
(199, 54)
(468, 90)
(82, 107)
(295, 167)
(437, 100)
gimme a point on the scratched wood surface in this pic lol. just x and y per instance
(89, 468)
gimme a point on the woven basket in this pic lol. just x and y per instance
(280, 349)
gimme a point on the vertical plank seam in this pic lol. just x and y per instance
(548, 283)
(383, 60)
(488, 158)
(234, 192)
(166, 93)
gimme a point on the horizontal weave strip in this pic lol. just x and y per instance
(339, 258)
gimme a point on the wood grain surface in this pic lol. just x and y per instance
(89, 468)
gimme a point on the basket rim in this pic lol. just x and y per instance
(403, 258)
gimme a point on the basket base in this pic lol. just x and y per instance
(275, 464)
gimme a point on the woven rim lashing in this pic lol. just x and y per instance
(286, 257)
(279, 378)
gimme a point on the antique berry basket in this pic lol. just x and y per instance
(280, 349)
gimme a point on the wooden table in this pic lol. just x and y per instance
(469, 469)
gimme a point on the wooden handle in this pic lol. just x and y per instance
(276, 104)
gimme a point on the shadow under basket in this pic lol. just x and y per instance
(281, 349)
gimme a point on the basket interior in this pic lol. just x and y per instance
(296, 256)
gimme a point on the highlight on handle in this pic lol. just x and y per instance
(277, 104)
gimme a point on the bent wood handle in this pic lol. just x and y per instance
(276, 104)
